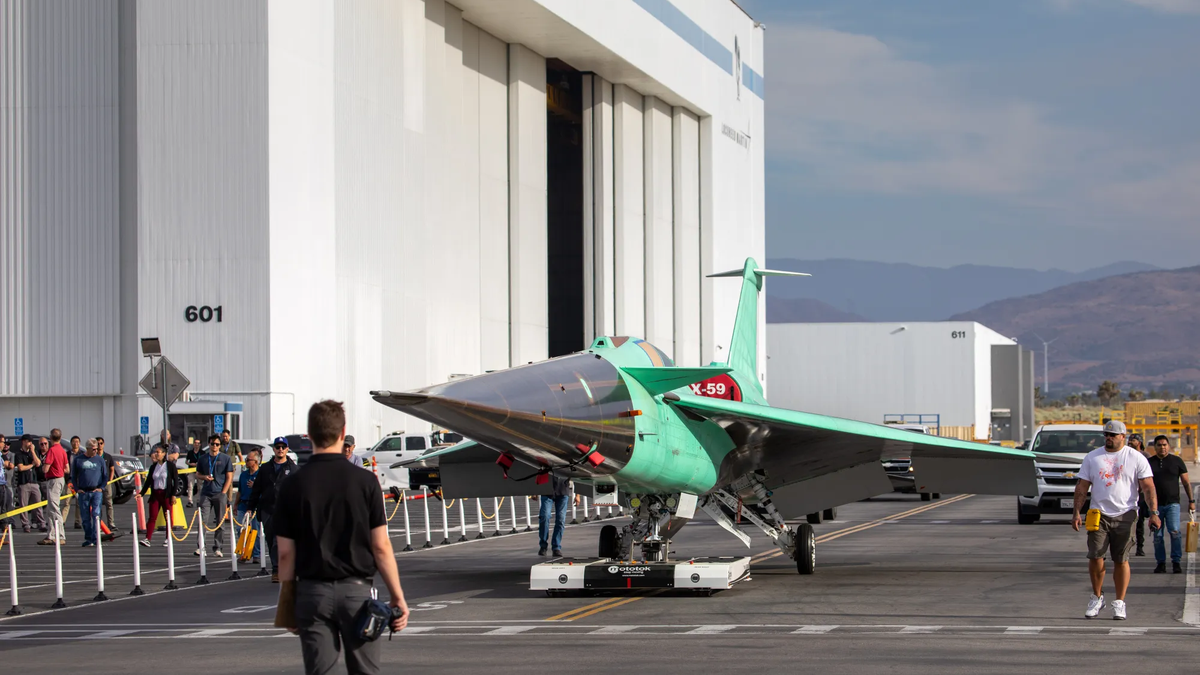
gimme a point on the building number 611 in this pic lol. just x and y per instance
(203, 314)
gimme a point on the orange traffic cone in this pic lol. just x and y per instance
(108, 534)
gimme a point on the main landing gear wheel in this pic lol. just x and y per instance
(610, 545)
(830, 514)
(816, 518)
(926, 496)
(806, 549)
(937, 495)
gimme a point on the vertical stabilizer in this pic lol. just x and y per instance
(743, 346)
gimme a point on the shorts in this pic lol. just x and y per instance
(1115, 537)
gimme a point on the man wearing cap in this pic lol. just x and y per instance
(1169, 470)
(263, 494)
(1113, 473)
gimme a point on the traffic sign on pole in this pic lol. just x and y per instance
(218, 423)
(164, 383)
(145, 426)
(18, 426)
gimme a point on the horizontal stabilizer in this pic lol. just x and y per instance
(761, 273)
(661, 380)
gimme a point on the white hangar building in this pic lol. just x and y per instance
(961, 376)
(314, 198)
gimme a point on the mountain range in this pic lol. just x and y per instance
(1139, 329)
(902, 292)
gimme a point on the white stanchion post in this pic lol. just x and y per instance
(585, 510)
(609, 513)
(597, 510)
(12, 576)
(479, 515)
(58, 580)
(171, 585)
(574, 516)
(528, 518)
(407, 524)
(496, 511)
(100, 596)
(137, 560)
(263, 550)
(233, 556)
(203, 554)
(445, 524)
(428, 529)
(512, 509)
(462, 519)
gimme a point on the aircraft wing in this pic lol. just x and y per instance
(812, 462)
(457, 447)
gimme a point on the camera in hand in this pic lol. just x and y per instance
(373, 618)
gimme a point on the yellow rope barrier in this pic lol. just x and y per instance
(219, 523)
(449, 505)
(195, 514)
(399, 502)
(498, 507)
(3, 538)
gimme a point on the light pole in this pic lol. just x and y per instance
(1045, 364)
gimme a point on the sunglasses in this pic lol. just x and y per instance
(1108, 434)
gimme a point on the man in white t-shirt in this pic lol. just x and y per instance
(1113, 473)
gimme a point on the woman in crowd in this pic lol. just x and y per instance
(161, 484)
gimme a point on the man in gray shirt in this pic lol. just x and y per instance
(215, 472)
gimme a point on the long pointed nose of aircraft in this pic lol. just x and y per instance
(549, 412)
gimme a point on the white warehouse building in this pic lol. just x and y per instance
(960, 376)
(310, 199)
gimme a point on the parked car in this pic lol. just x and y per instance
(1056, 478)
(126, 487)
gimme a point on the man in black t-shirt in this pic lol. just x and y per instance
(1169, 470)
(26, 461)
(332, 539)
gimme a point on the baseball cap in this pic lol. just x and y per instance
(349, 440)
(1114, 427)
(27, 437)
(279, 440)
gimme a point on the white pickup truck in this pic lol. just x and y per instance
(1056, 478)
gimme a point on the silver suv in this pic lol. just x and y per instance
(1056, 478)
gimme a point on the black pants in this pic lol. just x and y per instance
(325, 612)
(267, 520)
(1140, 529)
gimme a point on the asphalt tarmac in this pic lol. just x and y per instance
(902, 586)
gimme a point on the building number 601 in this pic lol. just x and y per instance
(203, 314)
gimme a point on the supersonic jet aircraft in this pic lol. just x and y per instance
(664, 440)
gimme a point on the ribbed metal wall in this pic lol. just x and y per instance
(203, 191)
(58, 197)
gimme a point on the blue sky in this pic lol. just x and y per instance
(1026, 133)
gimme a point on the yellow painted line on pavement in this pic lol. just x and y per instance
(564, 615)
(874, 523)
(610, 603)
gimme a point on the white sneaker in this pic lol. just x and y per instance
(1119, 610)
(1095, 605)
